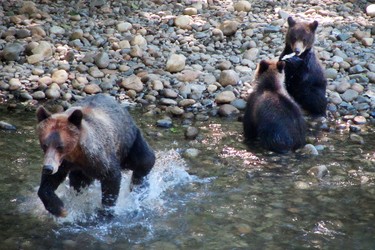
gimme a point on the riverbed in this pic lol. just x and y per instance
(228, 196)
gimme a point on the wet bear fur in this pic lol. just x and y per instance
(93, 140)
(304, 76)
(271, 115)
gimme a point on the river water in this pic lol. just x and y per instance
(227, 197)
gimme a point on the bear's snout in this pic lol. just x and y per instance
(47, 169)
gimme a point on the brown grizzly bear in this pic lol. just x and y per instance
(271, 114)
(304, 77)
(95, 139)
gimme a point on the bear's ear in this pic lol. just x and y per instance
(76, 118)
(263, 66)
(313, 26)
(280, 66)
(42, 114)
(291, 21)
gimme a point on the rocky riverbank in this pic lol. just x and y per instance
(186, 58)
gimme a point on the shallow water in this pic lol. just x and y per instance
(228, 197)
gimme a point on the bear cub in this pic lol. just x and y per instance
(93, 140)
(304, 76)
(271, 114)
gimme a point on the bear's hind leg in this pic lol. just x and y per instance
(140, 160)
(78, 180)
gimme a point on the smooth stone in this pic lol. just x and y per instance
(132, 82)
(7, 126)
(102, 60)
(360, 120)
(170, 93)
(175, 63)
(183, 21)
(242, 6)
(318, 171)
(349, 95)
(34, 59)
(228, 77)
(14, 84)
(228, 110)
(229, 27)
(225, 97)
(12, 52)
(168, 101)
(44, 48)
(92, 89)
(191, 133)
(38, 95)
(60, 76)
(191, 153)
(164, 123)
(356, 139)
(301, 185)
(309, 149)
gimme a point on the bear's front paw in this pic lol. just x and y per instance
(295, 61)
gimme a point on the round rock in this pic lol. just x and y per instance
(176, 63)
(228, 77)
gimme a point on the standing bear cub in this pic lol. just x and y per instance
(271, 114)
(304, 77)
(94, 140)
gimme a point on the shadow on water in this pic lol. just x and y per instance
(228, 197)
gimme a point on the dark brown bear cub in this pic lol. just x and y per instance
(304, 77)
(271, 115)
(95, 139)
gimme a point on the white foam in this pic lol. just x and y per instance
(170, 171)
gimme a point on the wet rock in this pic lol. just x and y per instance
(168, 101)
(309, 149)
(191, 133)
(225, 97)
(60, 76)
(228, 77)
(356, 139)
(132, 82)
(7, 126)
(349, 95)
(242, 6)
(176, 63)
(12, 51)
(229, 28)
(318, 171)
(301, 185)
(360, 120)
(191, 153)
(227, 110)
(164, 123)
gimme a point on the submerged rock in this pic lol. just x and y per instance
(7, 126)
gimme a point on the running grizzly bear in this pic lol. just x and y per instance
(271, 114)
(94, 139)
(304, 76)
